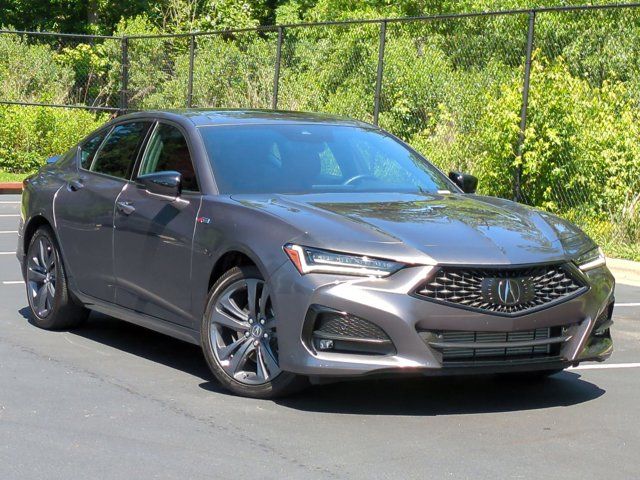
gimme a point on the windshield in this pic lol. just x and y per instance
(302, 158)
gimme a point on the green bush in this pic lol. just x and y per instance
(29, 135)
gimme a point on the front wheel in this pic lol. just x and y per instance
(240, 339)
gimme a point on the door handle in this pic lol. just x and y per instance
(125, 207)
(75, 185)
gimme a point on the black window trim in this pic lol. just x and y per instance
(138, 166)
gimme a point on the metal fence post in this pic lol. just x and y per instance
(192, 51)
(276, 71)
(124, 94)
(376, 100)
(517, 184)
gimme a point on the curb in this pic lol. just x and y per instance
(10, 187)
(626, 272)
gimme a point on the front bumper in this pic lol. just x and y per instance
(388, 304)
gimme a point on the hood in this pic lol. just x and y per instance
(426, 228)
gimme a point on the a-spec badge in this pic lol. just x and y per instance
(203, 220)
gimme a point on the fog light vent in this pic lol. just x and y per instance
(340, 332)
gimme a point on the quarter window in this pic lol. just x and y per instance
(167, 151)
(89, 148)
(118, 153)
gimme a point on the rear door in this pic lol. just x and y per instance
(154, 234)
(84, 208)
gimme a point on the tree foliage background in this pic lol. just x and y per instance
(451, 88)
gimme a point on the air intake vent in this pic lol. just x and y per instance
(502, 291)
(457, 346)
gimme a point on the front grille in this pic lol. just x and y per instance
(484, 289)
(496, 346)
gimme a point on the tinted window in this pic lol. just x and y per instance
(315, 158)
(118, 153)
(168, 150)
(89, 148)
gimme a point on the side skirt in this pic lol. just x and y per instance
(140, 319)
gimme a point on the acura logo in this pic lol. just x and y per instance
(509, 291)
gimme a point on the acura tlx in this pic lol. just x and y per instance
(297, 247)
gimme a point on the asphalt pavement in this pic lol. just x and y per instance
(115, 401)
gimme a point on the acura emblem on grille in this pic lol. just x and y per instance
(509, 290)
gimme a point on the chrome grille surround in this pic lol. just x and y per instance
(463, 287)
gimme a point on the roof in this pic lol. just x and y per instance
(205, 117)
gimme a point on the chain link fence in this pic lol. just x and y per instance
(539, 104)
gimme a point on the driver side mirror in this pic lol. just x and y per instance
(168, 183)
(468, 183)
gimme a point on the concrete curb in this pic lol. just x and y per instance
(626, 272)
(10, 187)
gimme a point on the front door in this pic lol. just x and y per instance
(154, 234)
(84, 207)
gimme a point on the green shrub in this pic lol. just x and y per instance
(29, 135)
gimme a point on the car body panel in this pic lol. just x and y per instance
(152, 254)
(84, 226)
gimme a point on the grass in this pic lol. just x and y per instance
(12, 177)
(628, 251)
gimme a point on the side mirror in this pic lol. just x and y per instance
(168, 183)
(468, 183)
(53, 159)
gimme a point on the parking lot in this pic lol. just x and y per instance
(112, 400)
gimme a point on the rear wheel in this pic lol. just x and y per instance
(240, 339)
(50, 303)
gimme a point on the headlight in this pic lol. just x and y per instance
(592, 259)
(308, 260)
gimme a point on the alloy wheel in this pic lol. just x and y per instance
(243, 335)
(41, 276)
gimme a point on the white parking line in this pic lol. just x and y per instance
(9, 203)
(633, 304)
(7, 253)
(9, 214)
(8, 231)
(602, 366)
(12, 282)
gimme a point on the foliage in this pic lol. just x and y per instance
(30, 135)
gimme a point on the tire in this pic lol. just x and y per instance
(50, 302)
(240, 343)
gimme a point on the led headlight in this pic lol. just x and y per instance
(592, 259)
(308, 260)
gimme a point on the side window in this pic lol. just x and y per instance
(168, 150)
(118, 153)
(89, 148)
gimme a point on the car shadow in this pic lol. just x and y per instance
(459, 395)
(419, 396)
(141, 342)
